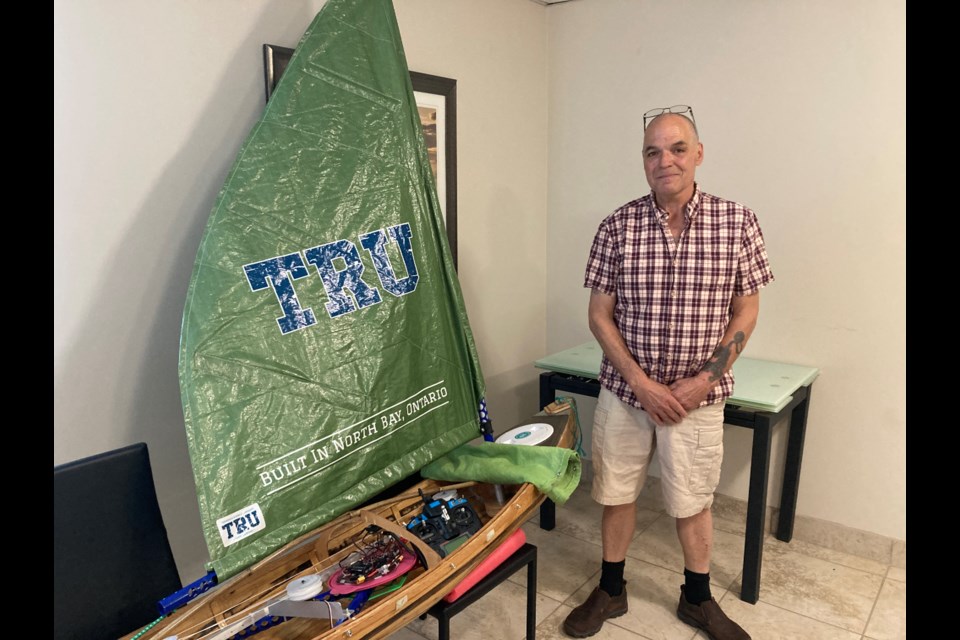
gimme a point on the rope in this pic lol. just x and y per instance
(576, 415)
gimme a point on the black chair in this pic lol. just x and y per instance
(111, 557)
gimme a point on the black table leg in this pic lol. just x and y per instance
(756, 510)
(532, 599)
(548, 510)
(791, 471)
(548, 515)
(548, 392)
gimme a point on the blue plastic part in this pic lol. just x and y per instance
(258, 626)
(486, 426)
(177, 599)
(358, 601)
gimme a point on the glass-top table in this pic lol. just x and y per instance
(764, 393)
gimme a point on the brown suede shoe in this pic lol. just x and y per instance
(709, 617)
(587, 619)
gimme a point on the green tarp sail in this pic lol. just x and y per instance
(325, 351)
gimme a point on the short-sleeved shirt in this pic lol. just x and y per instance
(674, 295)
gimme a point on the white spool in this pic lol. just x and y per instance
(304, 588)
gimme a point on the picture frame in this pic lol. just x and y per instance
(436, 98)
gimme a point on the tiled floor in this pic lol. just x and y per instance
(805, 591)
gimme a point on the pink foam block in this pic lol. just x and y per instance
(488, 564)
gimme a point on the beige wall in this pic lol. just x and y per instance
(151, 104)
(801, 110)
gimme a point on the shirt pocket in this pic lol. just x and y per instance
(597, 438)
(713, 282)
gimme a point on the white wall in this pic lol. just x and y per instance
(801, 110)
(151, 104)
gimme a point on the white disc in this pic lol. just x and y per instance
(527, 434)
(304, 588)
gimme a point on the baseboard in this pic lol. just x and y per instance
(823, 533)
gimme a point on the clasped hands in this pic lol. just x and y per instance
(668, 405)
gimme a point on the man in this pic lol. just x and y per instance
(675, 279)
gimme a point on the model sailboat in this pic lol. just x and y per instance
(325, 350)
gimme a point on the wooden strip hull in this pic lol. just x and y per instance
(324, 547)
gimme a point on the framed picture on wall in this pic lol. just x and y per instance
(436, 98)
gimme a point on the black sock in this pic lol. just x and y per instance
(696, 588)
(611, 577)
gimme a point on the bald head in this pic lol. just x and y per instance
(690, 124)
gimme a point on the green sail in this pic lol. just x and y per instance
(325, 351)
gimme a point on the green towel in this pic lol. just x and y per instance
(553, 470)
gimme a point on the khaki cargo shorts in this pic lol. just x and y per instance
(625, 440)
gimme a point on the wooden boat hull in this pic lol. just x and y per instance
(324, 547)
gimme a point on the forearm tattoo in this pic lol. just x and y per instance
(721, 356)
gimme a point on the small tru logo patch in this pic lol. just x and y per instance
(241, 524)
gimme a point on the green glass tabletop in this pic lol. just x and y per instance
(760, 384)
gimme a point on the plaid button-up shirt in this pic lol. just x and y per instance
(674, 294)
